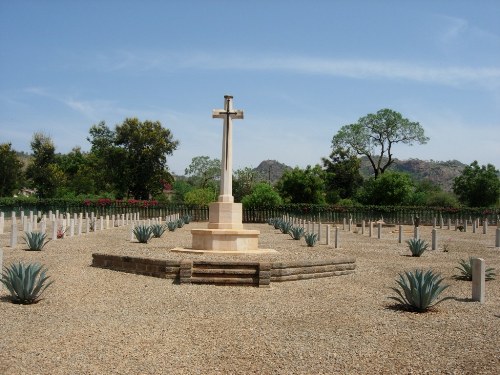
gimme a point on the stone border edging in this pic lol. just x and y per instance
(251, 273)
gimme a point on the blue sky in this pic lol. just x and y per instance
(298, 69)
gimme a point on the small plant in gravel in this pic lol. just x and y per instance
(277, 223)
(92, 225)
(417, 246)
(180, 223)
(158, 230)
(186, 219)
(419, 290)
(143, 233)
(465, 269)
(61, 232)
(271, 220)
(25, 282)
(172, 226)
(311, 239)
(461, 228)
(35, 240)
(297, 233)
(285, 227)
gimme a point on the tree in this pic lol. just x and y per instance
(263, 195)
(133, 157)
(391, 188)
(478, 186)
(42, 171)
(204, 172)
(303, 185)
(244, 182)
(342, 177)
(374, 135)
(79, 174)
(200, 196)
(10, 171)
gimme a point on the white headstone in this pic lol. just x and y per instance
(478, 280)
(337, 238)
(400, 238)
(434, 239)
(2, 222)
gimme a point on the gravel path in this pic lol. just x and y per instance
(97, 321)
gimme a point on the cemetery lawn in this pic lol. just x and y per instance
(98, 321)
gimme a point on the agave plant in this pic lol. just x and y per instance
(172, 226)
(180, 223)
(277, 223)
(186, 219)
(311, 239)
(271, 221)
(417, 246)
(143, 233)
(35, 240)
(285, 227)
(297, 233)
(419, 290)
(465, 268)
(25, 282)
(158, 230)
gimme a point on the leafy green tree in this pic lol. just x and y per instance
(303, 185)
(391, 188)
(374, 136)
(263, 195)
(132, 159)
(342, 177)
(10, 171)
(43, 173)
(204, 172)
(200, 196)
(244, 181)
(478, 186)
(180, 188)
(79, 174)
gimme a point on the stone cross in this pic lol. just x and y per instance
(227, 114)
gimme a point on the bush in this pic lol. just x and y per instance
(180, 223)
(158, 230)
(417, 246)
(419, 291)
(465, 268)
(285, 226)
(187, 219)
(25, 282)
(297, 233)
(263, 195)
(311, 239)
(35, 240)
(143, 233)
(172, 226)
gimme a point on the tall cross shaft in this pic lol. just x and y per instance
(227, 114)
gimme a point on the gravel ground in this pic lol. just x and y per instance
(97, 321)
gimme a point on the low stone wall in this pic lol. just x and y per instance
(241, 273)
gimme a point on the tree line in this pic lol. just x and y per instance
(130, 161)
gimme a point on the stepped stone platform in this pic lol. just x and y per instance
(242, 273)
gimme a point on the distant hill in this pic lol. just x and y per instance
(441, 173)
(271, 170)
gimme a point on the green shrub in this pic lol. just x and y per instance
(277, 223)
(417, 246)
(180, 223)
(172, 226)
(297, 233)
(465, 268)
(25, 282)
(35, 240)
(311, 239)
(187, 219)
(158, 230)
(143, 233)
(419, 291)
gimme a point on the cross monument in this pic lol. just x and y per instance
(227, 114)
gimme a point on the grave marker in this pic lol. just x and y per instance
(478, 280)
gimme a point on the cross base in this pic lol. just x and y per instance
(225, 215)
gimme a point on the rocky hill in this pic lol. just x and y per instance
(271, 170)
(440, 173)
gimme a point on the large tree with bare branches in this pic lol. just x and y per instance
(374, 136)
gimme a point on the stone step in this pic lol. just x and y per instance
(225, 280)
(225, 271)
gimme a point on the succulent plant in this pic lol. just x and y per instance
(172, 226)
(180, 223)
(186, 219)
(35, 240)
(271, 220)
(311, 239)
(143, 233)
(285, 226)
(158, 230)
(420, 290)
(465, 268)
(277, 223)
(297, 232)
(417, 246)
(25, 282)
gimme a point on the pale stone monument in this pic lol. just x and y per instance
(225, 232)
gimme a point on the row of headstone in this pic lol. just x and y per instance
(313, 227)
